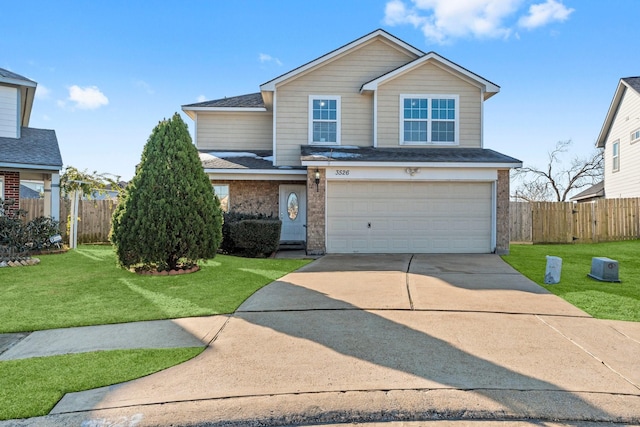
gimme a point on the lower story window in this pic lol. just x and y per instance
(222, 191)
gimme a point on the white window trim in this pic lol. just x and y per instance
(213, 184)
(614, 156)
(634, 140)
(1, 193)
(429, 97)
(336, 98)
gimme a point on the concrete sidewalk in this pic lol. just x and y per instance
(189, 332)
(388, 338)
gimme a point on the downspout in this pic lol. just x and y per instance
(275, 121)
(375, 118)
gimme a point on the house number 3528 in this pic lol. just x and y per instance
(342, 171)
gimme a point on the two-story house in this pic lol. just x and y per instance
(375, 147)
(26, 153)
(620, 139)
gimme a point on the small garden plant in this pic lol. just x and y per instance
(18, 240)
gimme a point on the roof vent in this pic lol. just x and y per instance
(604, 269)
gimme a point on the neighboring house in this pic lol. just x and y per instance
(620, 139)
(26, 153)
(375, 147)
(591, 194)
(28, 193)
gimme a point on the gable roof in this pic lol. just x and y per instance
(625, 83)
(271, 84)
(593, 192)
(489, 88)
(27, 89)
(35, 149)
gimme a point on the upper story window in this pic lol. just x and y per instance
(429, 119)
(222, 191)
(324, 120)
(635, 136)
(615, 148)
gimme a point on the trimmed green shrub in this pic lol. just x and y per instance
(228, 245)
(254, 237)
(168, 216)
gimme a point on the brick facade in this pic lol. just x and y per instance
(502, 213)
(11, 188)
(316, 244)
(256, 197)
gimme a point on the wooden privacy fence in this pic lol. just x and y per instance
(604, 220)
(94, 221)
(538, 222)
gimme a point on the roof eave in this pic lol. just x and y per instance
(18, 82)
(26, 101)
(223, 109)
(30, 166)
(611, 113)
(395, 164)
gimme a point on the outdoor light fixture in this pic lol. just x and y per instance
(317, 176)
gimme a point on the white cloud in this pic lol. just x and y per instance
(42, 92)
(544, 13)
(442, 21)
(202, 98)
(145, 86)
(268, 58)
(87, 98)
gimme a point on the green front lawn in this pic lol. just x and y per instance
(85, 287)
(32, 387)
(603, 300)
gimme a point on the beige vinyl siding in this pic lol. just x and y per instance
(626, 181)
(234, 130)
(8, 112)
(343, 76)
(429, 79)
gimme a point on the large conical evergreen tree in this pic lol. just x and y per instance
(168, 215)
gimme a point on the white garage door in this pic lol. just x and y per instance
(408, 217)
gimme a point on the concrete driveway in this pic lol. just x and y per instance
(390, 337)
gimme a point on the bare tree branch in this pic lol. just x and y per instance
(553, 183)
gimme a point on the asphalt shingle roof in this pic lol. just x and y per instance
(634, 82)
(11, 75)
(259, 159)
(252, 100)
(596, 190)
(420, 155)
(34, 147)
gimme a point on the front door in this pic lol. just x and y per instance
(293, 213)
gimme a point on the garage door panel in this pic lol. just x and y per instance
(408, 217)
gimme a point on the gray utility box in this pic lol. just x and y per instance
(604, 269)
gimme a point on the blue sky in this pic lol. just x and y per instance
(108, 71)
